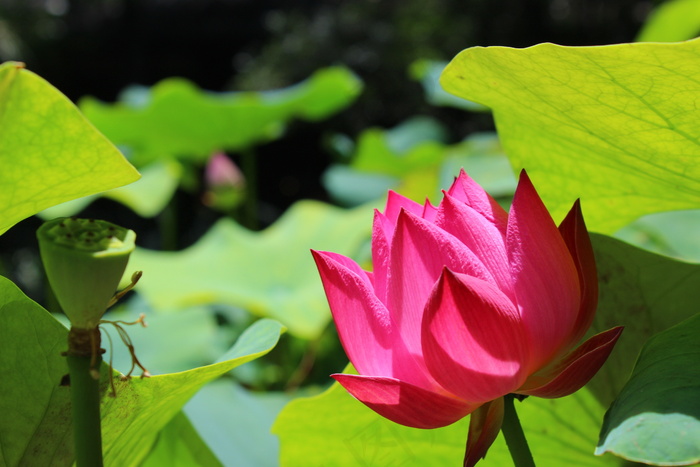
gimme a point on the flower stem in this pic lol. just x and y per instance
(85, 400)
(515, 438)
(249, 165)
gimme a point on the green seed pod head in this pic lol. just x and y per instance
(84, 261)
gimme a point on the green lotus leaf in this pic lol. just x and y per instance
(427, 72)
(179, 445)
(269, 273)
(617, 126)
(177, 119)
(413, 159)
(656, 418)
(645, 292)
(335, 429)
(142, 407)
(49, 152)
(671, 21)
(147, 197)
(669, 233)
(236, 423)
(35, 428)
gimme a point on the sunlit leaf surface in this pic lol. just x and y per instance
(49, 152)
(132, 420)
(617, 126)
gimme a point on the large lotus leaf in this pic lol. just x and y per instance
(176, 119)
(673, 20)
(617, 126)
(49, 152)
(35, 428)
(269, 273)
(147, 197)
(235, 423)
(35, 422)
(335, 429)
(656, 418)
(645, 292)
(179, 445)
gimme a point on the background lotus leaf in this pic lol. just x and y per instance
(668, 233)
(147, 196)
(179, 445)
(236, 422)
(414, 159)
(427, 72)
(269, 273)
(671, 21)
(176, 119)
(614, 125)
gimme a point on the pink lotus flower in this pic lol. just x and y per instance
(467, 303)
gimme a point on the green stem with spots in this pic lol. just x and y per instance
(83, 366)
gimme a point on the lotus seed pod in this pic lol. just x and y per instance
(84, 261)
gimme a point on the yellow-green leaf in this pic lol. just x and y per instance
(49, 153)
(35, 427)
(617, 126)
(335, 429)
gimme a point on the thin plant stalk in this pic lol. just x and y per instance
(249, 166)
(83, 368)
(514, 435)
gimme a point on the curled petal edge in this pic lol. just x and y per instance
(574, 370)
(405, 403)
(484, 425)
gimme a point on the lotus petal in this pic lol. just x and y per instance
(405, 403)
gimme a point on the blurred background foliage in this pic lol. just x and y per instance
(227, 203)
(98, 48)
